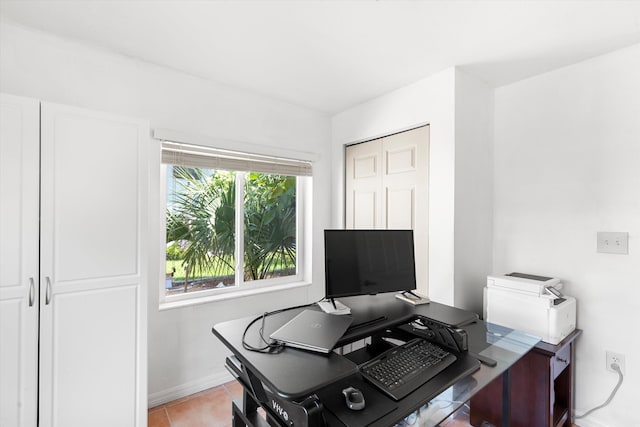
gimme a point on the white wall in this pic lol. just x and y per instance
(450, 102)
(567, 165)
(473, 226)
(183, 354)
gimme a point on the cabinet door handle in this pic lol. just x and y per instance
(47, 299)
(32, 291)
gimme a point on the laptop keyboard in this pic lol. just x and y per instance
(402, 369)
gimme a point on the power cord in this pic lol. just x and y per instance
(271, 346)
(616, 368)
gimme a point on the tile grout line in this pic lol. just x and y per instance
(166, 413)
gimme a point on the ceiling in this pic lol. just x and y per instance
(331, 55)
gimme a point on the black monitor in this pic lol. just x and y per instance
(363, 262)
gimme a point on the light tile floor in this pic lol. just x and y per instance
(209, 408)
(212, 408)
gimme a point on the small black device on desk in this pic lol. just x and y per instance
(354, 399)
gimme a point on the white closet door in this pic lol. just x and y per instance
(19, 206)
(387, 187)
(93, 357)
(405, 184)
(363, 193)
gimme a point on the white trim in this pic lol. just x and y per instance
(207, 141)
(188, 388)
(236, 293)
(385, 134)
(590, 422)
(239, 235)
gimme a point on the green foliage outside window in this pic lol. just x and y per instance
(200, 231)
(270, 225)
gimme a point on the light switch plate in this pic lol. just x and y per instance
(613, 242)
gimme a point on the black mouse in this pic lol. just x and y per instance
(353, 398)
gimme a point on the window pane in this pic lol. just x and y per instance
(269, 226)
(200, 229)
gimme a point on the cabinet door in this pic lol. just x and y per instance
(19, 210)
(92, 278)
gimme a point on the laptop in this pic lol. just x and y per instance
(313, 330)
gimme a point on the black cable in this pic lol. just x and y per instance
(270, 347)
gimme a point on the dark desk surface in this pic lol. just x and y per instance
(288, 373)
(384, 310)
(391, 312)
(293, 374)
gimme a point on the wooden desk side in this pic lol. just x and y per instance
(541, 391)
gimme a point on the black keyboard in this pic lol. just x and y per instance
(402, 369)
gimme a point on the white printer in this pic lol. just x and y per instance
(530, 303)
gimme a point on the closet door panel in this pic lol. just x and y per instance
(363, 211)
(18, 366)
(400, 219)
(94, 194)
(99, 350)
(19, 234)
(93, 313)
(362, 185)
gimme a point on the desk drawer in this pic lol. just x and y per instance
(560, 361)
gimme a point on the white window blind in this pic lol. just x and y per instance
(204, 157)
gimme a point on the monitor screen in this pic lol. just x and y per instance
(361, 262)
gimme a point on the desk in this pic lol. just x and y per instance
(541, 389)
(295, 387)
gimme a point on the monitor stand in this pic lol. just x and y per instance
(331, 306)
(411, 293)
(412, 298)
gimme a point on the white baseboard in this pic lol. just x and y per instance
(589, 422)
(186, 389)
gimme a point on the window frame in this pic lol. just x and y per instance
(241, 287)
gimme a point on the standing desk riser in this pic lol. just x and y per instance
(299, 388)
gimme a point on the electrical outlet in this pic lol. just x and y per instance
(615, 358)
(613, 242)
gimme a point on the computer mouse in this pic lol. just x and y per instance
(353, 398)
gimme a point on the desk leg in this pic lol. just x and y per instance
(243, 417)
(249, 405)
(506, 397)
(245, 413)
(237, 417)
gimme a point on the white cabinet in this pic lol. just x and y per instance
(91, 286)
(19, 239)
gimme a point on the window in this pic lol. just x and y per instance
(232, 221)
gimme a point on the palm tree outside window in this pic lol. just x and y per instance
(233, 225)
